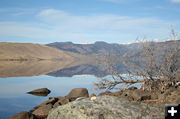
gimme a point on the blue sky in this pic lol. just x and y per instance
(87, 21)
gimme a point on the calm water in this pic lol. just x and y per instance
(13, 97)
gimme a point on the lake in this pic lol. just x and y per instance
(14, 99)
(17, 78)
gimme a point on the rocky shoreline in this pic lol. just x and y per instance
(106, 107)
(41, 111)
(125, 104)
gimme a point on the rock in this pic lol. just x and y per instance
(64, 101)
(93, 95)
(132, 88)
(106, 93)
(126, 93)
(53, 101)
(178, 100)
(42, 111)
(40, 91)
(77, 92)
(50, 101)
(59, 98)
(58, 103)
(140, 95)
(22, 115)
(117, 93)
(42, 104)
(93, 98)
(80, 98)
(106, 107)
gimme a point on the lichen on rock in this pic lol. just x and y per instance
(105, 107)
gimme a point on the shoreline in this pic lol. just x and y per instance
(132, 95)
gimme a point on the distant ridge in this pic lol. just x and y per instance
(132, 52)
(98, 47)
(101, 47)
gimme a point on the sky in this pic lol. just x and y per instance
(87, 21)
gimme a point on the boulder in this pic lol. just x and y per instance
(105, 93)
(40, 91)
(59, 98)
(106, 107)
(140, 95)
(58, 103)
(77, 92)
(64, 101)
(42, 111)
(22, 115)
(92, 95)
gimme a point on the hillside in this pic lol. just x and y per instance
(99, 47)
(29, 51)
(132, 51)
(103, 48)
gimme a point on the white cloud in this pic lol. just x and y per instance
(57, 24)
(175, 1)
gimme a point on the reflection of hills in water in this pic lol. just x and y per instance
(85, 69)
(52, 68)
(79, 70)
(32, 68)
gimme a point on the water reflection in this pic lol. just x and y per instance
(17, 78)
(79, 70)
(86, 69)
(39, 94)
(33, 68)
(14, 99)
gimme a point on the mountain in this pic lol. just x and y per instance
(99, 47)
(103, 48)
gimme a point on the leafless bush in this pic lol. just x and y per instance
(158, 61)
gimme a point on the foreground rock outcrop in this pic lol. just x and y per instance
(106, 107)
(41, 111)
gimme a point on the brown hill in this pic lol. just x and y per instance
(29, 51)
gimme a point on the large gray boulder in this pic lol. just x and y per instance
(106, 107)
